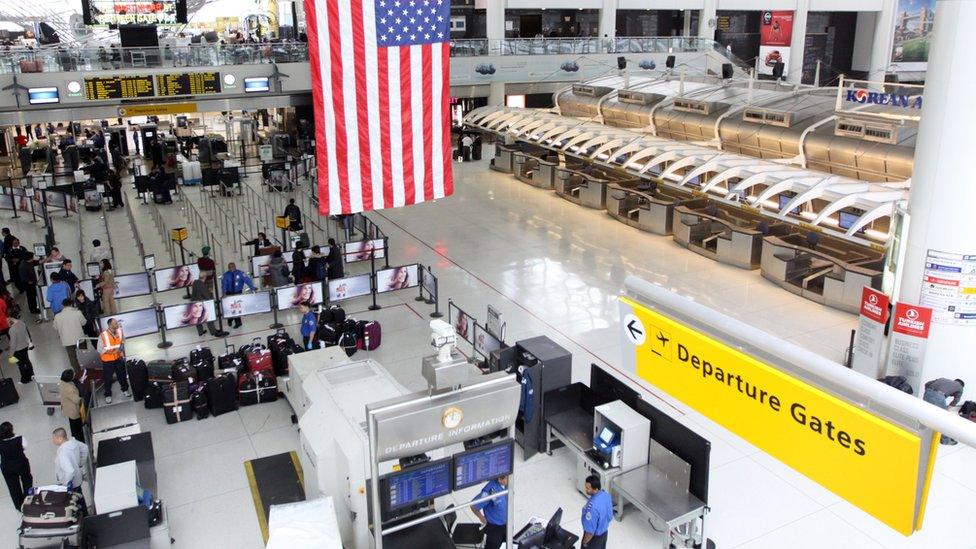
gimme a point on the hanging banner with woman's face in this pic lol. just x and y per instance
(293, 296)
(397, 278)
(174, 278)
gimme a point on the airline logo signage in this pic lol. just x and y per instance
(865, 97)
(912, 320)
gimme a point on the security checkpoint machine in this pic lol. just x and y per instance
(386, 455)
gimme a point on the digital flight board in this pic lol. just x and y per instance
(194, 83)
(118, 87)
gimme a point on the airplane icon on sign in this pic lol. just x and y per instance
(663, 348)
(663, 339)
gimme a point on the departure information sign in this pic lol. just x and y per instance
(118, 87)
(195, 83)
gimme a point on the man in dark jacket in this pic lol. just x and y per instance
(67, 275)
(334, 259)
(28, 279)
(260, 242)
(294, 214)
(202, 290)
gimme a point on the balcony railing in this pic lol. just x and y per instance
(60, 59)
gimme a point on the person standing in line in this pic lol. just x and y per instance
(99, 252)
(596, 515)
(20, 345)
(334, 260)
(89, 310)
(205, 263)
(71, 460)
(67, 275)
(14, 464)
(71, 404)
(106, 285)
(493, 514)
(70, 325)
(28, 279)
(202, 290)
(114, 189)
(57, 293)
(4, 319)
(294, 215)
(278, 273)
(298, 270)
(318, 266)
(939, 391)
(309, 325)
(233, 283)
(110, 348)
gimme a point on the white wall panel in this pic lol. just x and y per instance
(846, 5)
(660, 4)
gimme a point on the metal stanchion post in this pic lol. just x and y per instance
(164, 344)
(386, 251)
(372, 267)
(274, 312)
(437, 313)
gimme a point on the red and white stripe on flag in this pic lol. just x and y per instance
(381, 92)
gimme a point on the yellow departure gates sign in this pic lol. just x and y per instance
(859, 456)
(158, 109)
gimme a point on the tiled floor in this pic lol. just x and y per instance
(552, 268)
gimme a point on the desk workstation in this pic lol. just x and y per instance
(643, 457)
(647, 206)
(536, 169)
(588, 185)
(724, 233)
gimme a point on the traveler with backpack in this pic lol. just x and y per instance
(938, 391)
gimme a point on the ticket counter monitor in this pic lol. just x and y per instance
(724, 233)
(821, 268)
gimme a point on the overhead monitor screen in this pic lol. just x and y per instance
(397, 278)
(257, 84)
(415, 484)
(245, 304)
(784, 200)
(104, 13)
(43, 96)
(174, 278)
(189, 314)
(194, 83)
(349, 287)
(293, 296)
(134, 323)
(483, 464)
(118, 87)
(130, 285)
(847, 220)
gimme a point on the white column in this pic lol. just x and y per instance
(942, 193)
(608, 19)
(884, 29)
(864, 31)
(495, 19)
(798, 42)
(496, 94)
(708, 12)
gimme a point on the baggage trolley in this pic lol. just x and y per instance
(47, 386)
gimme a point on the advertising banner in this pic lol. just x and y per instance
(427, 279)
(869, 340)
(349, 287)
(131, 285)
(56, 199)
(174, 278)
(484, 342)
(134, 323)
(949, 288)
(906, 348)
(189, 314)
(463, 323)
(363, 250)
(6, 202)
(912, 35)
(245, 304)
(775, 37)
(864, 458)
(293, 296)
(397, 278)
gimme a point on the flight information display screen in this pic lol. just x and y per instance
(193, 83)
(415, 484)
(483, 464)
(118, 87)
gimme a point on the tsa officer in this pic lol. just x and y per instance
(493, 514)
(596, 515)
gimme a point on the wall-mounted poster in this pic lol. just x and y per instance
(913, 34)
(189, 314)
(775, 37)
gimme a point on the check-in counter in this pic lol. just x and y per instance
(831, 272)
(536, 168)
(504, 160)
(724, 233)
(587, 186)
(646, 206)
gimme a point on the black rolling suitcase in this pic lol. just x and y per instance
(256, 388)
(222, 394)
(160, 370)
(8, 391)
(138, 378)
(154, 395)
(176, 402)
(199, 402)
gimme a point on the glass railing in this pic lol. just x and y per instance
(56, 59)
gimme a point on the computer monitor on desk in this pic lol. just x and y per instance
(533, 536)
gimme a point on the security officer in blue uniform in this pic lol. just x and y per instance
(493, 514)
(596, 515)
(233, 283)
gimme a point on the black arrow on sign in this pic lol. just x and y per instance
(634, 332)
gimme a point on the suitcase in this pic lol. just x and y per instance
(259, 359)
(349, 343)
(185, 372)
(221, 394)
(154, 395)
(160, 370)
(328, 335)
(202, 354)
(337, 314)
(178, 411)
(256, 388)
(369, 334)
(231, 362)
(138, 378)
(280, 352)
(49, 509)
(177, 391)
(8, 392)
(204, 370)
(199, 402)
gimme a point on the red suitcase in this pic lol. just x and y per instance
(370, 335)
(260, 360)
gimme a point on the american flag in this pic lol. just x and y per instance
(381, 89)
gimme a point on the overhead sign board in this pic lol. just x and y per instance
(158, 109)
(863, 458)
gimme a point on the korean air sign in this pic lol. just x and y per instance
(864, 97)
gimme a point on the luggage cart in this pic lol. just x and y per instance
(47, 386)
